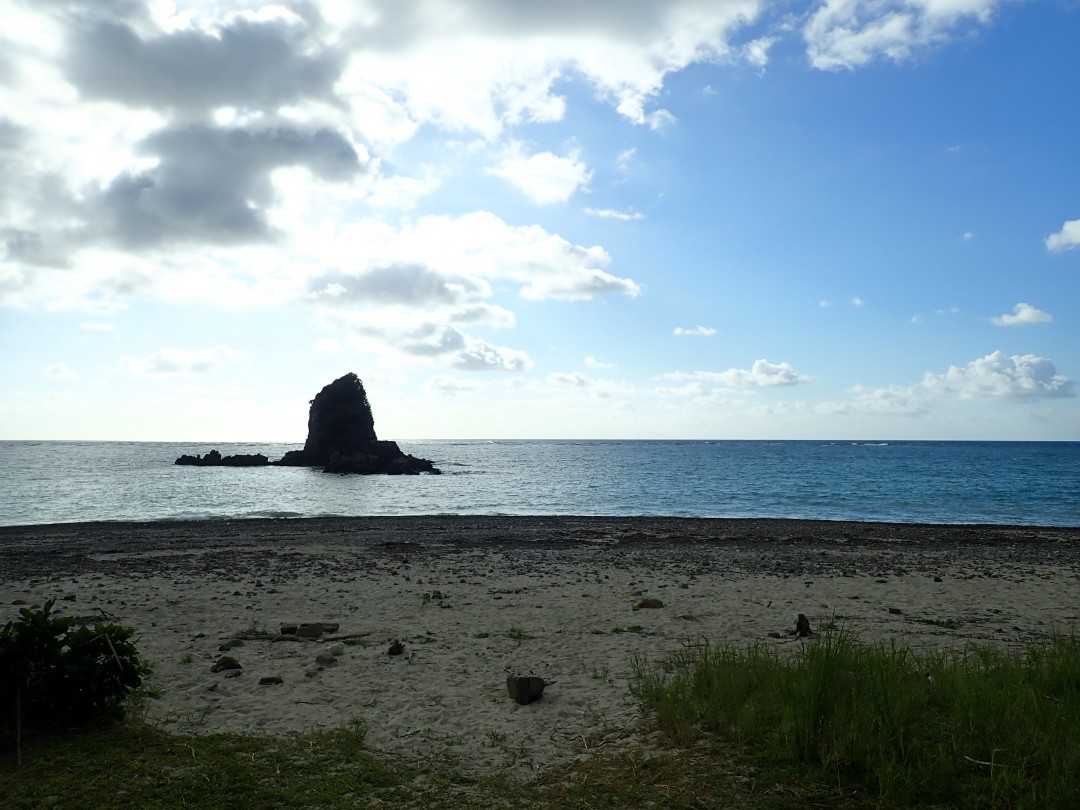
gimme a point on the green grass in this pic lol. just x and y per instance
(982, 728)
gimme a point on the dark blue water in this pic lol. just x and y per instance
(1031, 483)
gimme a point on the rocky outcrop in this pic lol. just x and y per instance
(215, 459)
(341, 438)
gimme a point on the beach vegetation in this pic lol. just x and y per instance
(60, 672)
(821, 722)
(983, 727)
(517, 634)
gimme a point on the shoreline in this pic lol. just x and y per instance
(475, 598)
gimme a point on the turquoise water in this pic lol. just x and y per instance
(939, 482)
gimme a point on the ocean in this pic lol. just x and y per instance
(1022, 483)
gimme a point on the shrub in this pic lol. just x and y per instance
(60, 672)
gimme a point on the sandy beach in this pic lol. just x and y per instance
(474, 599)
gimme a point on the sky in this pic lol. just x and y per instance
(617, 219)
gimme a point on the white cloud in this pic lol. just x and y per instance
(851, 33)
(574, 379)
(168, 362)
(59, 371)
(762, 374)
(451, 386)
(544, 177)
(592, 362)
(857, 302)
(610, 213)
(480, 65)
(968, 236)
(696, 331)
(480, 247)
(402, 192)
(1022, 315)
(1065, 239)
(996, 376)
(97, 326)
(895, 400)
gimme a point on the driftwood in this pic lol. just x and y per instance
(323, 639)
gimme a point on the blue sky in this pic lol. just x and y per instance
(634, 219)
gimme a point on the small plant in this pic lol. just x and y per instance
(517, 634)
(482, 635)
(599, 673)
(59, 672)
(495, 737)
(189, 658)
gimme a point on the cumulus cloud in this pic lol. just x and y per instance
(997, 376)
(246, 62)
(592, 362)
(482, 64)
(170, 362)
(894, 400)
(1065, 239)
(695, 331)
(852, 33)
(762, 374)
(212, 185)
(428, 337)
(544, 177)
(413, 284)
(482, 245)
(1022, 315)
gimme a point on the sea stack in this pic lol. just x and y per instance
(341, 438)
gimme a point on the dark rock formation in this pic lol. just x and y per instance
(341, 438)
(215, 459)
(525, 689)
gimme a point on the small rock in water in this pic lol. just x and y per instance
(230, 644)
(337, 648)
(234, 673)
(270, 680)
(895, 611)
(652, 604)
(326, 659)
(312, 630)
(288, 629)
(397, 648)
(525, 689)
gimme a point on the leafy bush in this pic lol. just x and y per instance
(60, 672)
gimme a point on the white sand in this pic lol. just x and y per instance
(554, 612)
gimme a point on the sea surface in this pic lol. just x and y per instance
(1025, 483)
